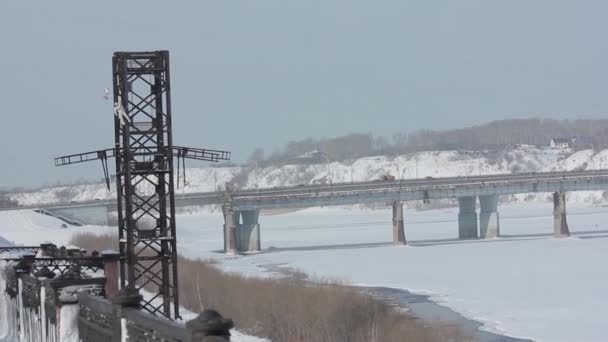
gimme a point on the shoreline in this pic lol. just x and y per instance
(422, 307)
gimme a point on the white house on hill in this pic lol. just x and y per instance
(562, 143)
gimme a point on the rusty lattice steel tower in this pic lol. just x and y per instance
(144, 153)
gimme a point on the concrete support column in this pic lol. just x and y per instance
(467, 218)
(231, 221)
(248, 232)
(489, 223)
(398, 231)
(560, 225)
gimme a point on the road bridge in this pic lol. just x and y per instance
(241, 208)
(241, 211)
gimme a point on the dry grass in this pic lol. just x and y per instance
(93, 242)
(292, 310)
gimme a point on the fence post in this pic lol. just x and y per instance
(11, 291)
(26, 265)
(110, 268)
(48, 249)
(126, 298)
(209, 326)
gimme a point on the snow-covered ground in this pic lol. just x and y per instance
(525, 284)
(416, 165)
(27, 228)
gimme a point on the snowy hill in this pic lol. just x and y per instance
(415, 165)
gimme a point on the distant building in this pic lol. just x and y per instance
(562, 143)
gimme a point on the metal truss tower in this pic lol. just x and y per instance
(144, 154)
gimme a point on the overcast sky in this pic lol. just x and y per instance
(261, 73)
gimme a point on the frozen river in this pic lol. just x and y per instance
(525, 284)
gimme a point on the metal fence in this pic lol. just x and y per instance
(38, 286)
(34, 304)
(37, 289)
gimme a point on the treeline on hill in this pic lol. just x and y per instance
(495, 135)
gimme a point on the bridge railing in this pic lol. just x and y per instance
(97, 320)
(34, 304)
(38, 288)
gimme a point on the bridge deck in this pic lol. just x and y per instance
(382, 191)
(408, 190)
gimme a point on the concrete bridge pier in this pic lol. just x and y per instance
(398, 231)
(241, 235)
(560, 225)
(467, 218)
(489, 224)
(231, 221)
(248, 232)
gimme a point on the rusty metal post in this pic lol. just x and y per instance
(111, 271)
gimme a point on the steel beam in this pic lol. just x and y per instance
(144, 169)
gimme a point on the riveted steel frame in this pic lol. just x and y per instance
(144, 169)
